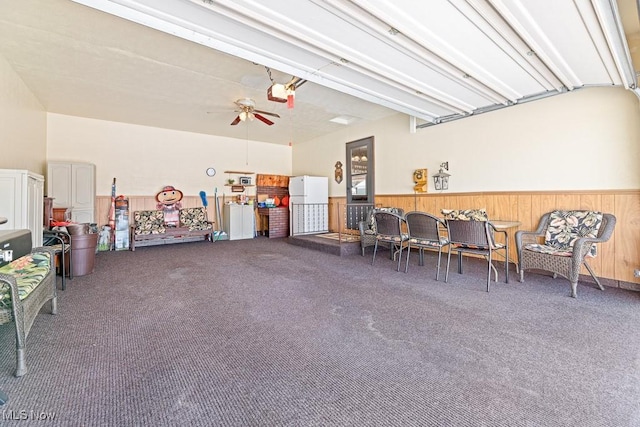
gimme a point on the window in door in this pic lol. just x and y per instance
(360, 180)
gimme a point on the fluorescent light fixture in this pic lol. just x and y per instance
(343, 120)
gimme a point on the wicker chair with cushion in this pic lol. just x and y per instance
(389, 230)
(562, 243)
(368, 226)
(26, 284)
(471, 232)
(425, 232)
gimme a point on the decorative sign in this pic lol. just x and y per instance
(338, 172)
(420, 179)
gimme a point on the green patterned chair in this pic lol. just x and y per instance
(26, 284)
(563, 242)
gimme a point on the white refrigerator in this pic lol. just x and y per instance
(308, 204)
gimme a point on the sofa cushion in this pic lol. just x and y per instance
(149, 222)
(466, 214)
(544, 249)
(565, 227)
(426, 242)
(28, 270)
(194, 219)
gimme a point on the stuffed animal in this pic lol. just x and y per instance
(169, 202)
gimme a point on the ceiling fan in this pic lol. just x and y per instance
(247, 110)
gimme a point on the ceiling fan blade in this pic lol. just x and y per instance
(235, 121)
(262, 119)
(266, 113)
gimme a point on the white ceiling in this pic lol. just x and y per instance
(180, 64)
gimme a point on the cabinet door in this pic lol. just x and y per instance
(83, 187)
(22, 199)
(82, 215)
(59, 184)
(233, 221)
(248, 222)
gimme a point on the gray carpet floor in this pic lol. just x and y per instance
(264, 333)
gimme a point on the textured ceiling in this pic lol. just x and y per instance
(365, 60)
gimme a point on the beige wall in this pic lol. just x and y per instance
(144, 159)
(23, 126)
(585, 140)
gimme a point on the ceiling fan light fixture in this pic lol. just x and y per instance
(243, 115)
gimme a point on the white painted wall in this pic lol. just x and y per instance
(23, 124)
(145, 159)
(585, 140)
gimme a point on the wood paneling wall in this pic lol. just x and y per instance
(616, 258)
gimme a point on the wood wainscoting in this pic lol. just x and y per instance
(616, 259)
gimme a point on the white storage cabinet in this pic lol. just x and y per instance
(22, 195)
(239, 221)
(73, 185)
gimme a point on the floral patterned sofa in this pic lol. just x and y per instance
(26, 284)
(148, 228)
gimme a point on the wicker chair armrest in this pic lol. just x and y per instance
(582, 246)
(362, 226)
(523, 237)
(526, 237)
(606, 232)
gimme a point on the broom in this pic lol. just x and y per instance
(205, 203)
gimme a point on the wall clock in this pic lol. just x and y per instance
(211, 171)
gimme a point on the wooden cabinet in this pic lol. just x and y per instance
(73, 185)
(239, 221)
(22, 195)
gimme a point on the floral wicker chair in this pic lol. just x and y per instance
(471, 232)
(368, 227)
(425, 232)
(568, 239)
